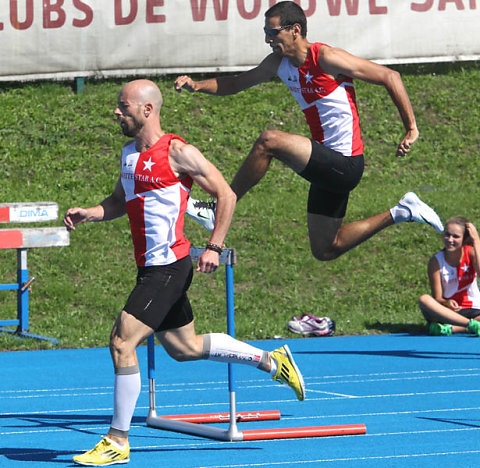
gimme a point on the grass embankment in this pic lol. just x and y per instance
(63, 147)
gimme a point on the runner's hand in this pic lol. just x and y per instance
(208, 261)
(184, 82)
(407, 141)
(472, 231)
(73, 217)
(453, 305)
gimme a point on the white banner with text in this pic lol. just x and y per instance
(56, 39)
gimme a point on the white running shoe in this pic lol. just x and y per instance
(420, 212)
(202, 212)
(310, 325)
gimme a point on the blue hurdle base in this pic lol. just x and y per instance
(23, 334)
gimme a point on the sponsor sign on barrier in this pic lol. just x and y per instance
(75, 38)
(28, 212)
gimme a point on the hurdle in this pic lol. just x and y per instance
(194, 424)
(22, 239)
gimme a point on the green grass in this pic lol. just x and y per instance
(63, 147)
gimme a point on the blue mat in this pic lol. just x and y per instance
(416, 395)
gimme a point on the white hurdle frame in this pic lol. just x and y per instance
(192, 423)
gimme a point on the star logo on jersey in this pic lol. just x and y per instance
(148, 164)
(465, 268)
(308, 77)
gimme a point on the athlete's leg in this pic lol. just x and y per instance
(127, 333)
(333, 176)
(329, 238)
(158, 290)
(292, 150)
(433, 311)
(183, 344)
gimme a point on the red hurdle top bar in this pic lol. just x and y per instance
(32, 238)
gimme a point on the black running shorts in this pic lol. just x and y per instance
(159, 298)
(332, 176)
(469, 313)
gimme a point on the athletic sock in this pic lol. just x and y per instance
(274, 366)
(400, 214)
(116, 444)
(223, 348)
(125, 394)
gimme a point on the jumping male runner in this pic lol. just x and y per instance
(320, 78)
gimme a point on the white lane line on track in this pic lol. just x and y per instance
(408, 394)
(110, 387)
(108, 392)
(410, 372)
(82, 392)
(284, 418)
(48, 431)
(252, 402)
(181, 386)
(385, 413)
(331, 393)
(343, 460)
(220, 388)
(394, 379)
(186, 445)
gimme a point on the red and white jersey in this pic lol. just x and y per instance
(329, 104)
(460, 283)
(156, 203)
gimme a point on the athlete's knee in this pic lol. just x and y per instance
(267, 141)
(119, 346)
(423, 300)
(325, 254)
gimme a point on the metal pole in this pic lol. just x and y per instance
(233, 429)
(22, 294)
(151, 372)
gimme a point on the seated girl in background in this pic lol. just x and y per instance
(454, 305)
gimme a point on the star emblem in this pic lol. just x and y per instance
(465, 268)
(148, 164)
(308, 77)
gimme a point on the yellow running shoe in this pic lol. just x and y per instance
(288, 372)
(103, 454)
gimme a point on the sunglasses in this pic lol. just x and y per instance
(274, 31)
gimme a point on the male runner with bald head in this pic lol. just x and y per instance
(157, 173)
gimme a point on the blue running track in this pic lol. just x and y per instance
(417, 395)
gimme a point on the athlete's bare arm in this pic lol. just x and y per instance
(337, 62)
(433, 270)
(186, 159)
(227, 85)
(112, 207)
